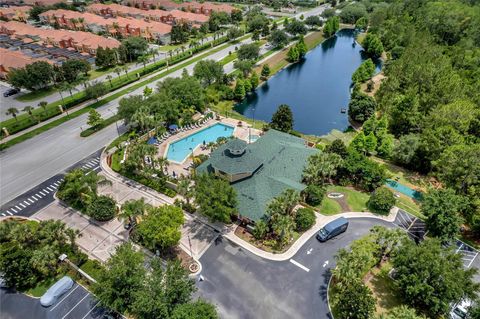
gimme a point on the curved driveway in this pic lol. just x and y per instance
(243, 285)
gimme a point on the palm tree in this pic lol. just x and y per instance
(29, 110)
(283, 227)
(125, 69)
(43, 105)
(79, 188)
(154, 53)
(184, 189)
(109, 78)
(118, 71)
(83, 79)
(321, 167)
(143, 59)
(132, 209)
(13, 111)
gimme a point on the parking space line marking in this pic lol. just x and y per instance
(45, 190)
(34, 198)
(13, 209)
(91, 310)
(299, 265)
(3, 215)
(76, 305)
(459, 247)
(31, 201)
(50, 189)
(77, 285)
(9, 213)
(21, 205)
(26, 203)
(17, 208)
(471, 262)
(42, 193)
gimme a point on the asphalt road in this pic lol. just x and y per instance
(243, 285)
(29, 163)
(77, 303)
(41, 195)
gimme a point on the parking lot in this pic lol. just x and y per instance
(417, 230)
(77, 303)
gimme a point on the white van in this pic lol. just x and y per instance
(54, 292)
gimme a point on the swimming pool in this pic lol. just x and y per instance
(404, 189)
(178, 151)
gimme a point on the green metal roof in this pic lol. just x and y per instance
(283, 157)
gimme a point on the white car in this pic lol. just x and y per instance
(54, 292)
(460, 309)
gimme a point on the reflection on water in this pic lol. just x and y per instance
(316, 88)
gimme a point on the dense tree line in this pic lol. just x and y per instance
(29, 251)
(164, 291)
(430, 95)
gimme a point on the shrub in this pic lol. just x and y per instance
(102, 208)
(381, 201)
(314, 194)
(260, 229)
(304, 219)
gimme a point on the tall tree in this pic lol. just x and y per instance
(442, 208)
(160, 228)
(282, 119)
(430, 278)
(215, 197)
(121, 279)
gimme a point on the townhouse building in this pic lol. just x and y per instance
(80, 41)
(116, 26)
(20, 13)
(10, 60)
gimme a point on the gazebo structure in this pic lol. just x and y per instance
(260, 171)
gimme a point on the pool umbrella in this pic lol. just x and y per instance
(173, 127)
(151, 140)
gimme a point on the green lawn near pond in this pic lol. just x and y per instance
(330, 207)
(355, 199)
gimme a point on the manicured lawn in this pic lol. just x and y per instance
(330, 207)
(116, 158)
(406, 203)
(43, 286)
(405, 176)
(92, 268)
(355, 199)
(346, 137)
(36, 95)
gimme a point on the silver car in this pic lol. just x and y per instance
(54, 292)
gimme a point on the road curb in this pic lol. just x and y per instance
(322, 220)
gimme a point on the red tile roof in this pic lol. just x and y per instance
(16, 59)
(79, 38)
(10, 12)
(89, 18)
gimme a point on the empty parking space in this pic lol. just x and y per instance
(469, 254)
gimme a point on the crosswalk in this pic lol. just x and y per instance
(46, 191)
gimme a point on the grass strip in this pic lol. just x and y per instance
(104, 101)
(25, 120)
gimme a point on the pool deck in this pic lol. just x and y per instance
(241, 132)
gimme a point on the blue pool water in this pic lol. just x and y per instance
(404, 189)
(181, 149)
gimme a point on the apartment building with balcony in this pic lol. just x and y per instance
(115, 26)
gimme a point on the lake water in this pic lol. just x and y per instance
(316, 88)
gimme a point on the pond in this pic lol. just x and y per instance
(316, 88)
